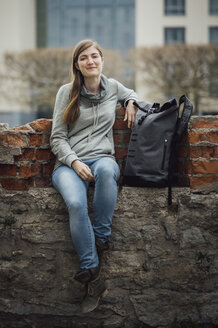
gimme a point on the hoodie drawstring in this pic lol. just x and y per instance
(95, 121)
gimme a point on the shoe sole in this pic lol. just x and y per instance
(104, 294)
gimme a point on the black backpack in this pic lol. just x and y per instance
(153, 143)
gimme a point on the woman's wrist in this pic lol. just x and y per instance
(130, 102)
(74, 162)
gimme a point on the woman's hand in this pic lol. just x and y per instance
(82, 170)
(130, 114)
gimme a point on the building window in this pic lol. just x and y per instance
(213, 35)
(213, 9)
(174, 7)
(174, 35)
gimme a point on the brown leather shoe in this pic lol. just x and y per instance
(96, 290)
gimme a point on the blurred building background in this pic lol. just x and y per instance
(189, 22)
(162, 22)
(63, 23)
(17, 33)
(115, 24)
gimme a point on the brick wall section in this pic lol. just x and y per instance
(121, 138)
(26, 160)
(198, 153)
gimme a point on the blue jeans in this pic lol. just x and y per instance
(74, 192)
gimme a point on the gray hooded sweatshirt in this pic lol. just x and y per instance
(91, 135)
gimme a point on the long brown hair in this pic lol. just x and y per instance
(72, 110)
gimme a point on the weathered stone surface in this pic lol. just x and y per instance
(4, 126)
(162, 265)
(7, 154)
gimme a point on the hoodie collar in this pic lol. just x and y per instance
(96, 97)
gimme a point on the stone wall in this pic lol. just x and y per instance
(161, 269)
(162, 266)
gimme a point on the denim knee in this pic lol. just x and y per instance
(108, 169)
(75, 205)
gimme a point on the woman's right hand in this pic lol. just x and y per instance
(82, 170)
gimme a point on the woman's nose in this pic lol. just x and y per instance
(90, 60)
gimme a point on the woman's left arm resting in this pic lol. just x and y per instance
(128, 96)
(130, 113)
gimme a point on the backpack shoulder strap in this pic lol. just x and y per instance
(185, 112)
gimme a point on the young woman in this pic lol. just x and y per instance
(82, 140)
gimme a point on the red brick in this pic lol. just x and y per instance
(121, 111)
(30, 171)
(25, 171)
(200, 151)
(22, 127)
(16, 139)
(16, 184)
(12, 139)
(8, 170)
(120, 153)
(195, 137)
(202, 167)
(116, 139)
(120, 124)
(126, 138)
(203, 181)
(48, 169)
(46, 139)
(35, 139)
(41, 125)
(44, 154)
(36, 169)
(28, 154)
(43, 182)
(205, 124)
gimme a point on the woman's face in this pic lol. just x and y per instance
(90, 62)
